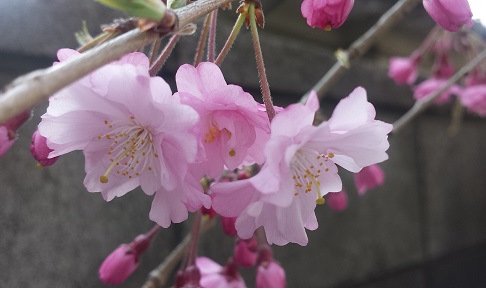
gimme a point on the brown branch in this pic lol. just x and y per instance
(363, 44)
(424, 103)
(32, 89)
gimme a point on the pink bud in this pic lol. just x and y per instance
(118, 266)
(121, 263)
(228, 224)
(338, 201)
(245, 252)
(450, 14)
(474, 99)
(368, 178)
(8, 130)
(208, 212)
(403, 70)
(189, 278)
(40, 150)
(326, 14)
(270, 275)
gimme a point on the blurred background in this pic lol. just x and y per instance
(426, 227)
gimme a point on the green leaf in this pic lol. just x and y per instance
(149, 9)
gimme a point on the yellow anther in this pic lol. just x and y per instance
(320, 200)
(232, 152)
(330, 155)
(103, 179)
(327, 27)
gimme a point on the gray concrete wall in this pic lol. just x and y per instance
(424, 227)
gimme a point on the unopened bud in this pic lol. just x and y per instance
(245, 252)
(228, 224)
(40, 150)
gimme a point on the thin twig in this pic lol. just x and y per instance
(424, 103)
(212, 36)
(202, 40)
(164, 55)
(231, 39)
(36, 87)
(363, 44)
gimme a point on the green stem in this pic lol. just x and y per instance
(267, 98)
(231, 39)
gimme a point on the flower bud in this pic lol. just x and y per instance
(368, 178)
(228, 224)
(451, 15)
(245, 252)
(40, 150)
(474, 99)
(338, 201)
(403, 70)
(326, 14)
(269, 273)
(8, 131)
(149, 9)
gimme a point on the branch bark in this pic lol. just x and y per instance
(363, 44)
(33, 88)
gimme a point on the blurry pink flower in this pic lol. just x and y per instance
(232, 127)
(130, 128)
(326, 14)
(474, 99)
(40, 150)
(431, 85)
(8, 131)
(403, 70)
(245, 252)
(300, 168)
(338, 201)
(368, 178)
(270, 275)
(214, 275)
(228, 225)
(450, 14)
(123, 261)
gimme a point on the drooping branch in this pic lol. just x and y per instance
(33, 88)
(424, 103)
(363, 44)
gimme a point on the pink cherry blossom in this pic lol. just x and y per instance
(232, 128)
(474, 99)
(326, 14)
(245, 252)
(40, 150)
(132, 130)
(8, 131)
(431, 85)
(450, 14)
(403, 70)
(338, 201)
(270, 275)
(300, 168)
(214, 275)
(368, 178)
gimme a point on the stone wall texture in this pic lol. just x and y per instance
(425, 227)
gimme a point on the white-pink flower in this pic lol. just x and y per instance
(131, 129)
(300, 168)
(232, 127)
(214, 275)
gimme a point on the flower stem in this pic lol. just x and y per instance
(231, 39)
(154, 50)
(212, 36)
(192, 251)
(202, 40)
(424, 103)
(164, 55)
(267, 98)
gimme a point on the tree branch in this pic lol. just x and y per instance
(33, 88)
(363, 44)
(424, 103)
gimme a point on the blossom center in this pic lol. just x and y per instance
(214, 133)
(131, 150)
(307, 166)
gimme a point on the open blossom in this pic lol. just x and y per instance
(132, 130)
(326, 14)
(232, 127)
(450, 14)
(300, 168)
(431, 85)
(403, 70)
(474, 99)
(214, 275)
